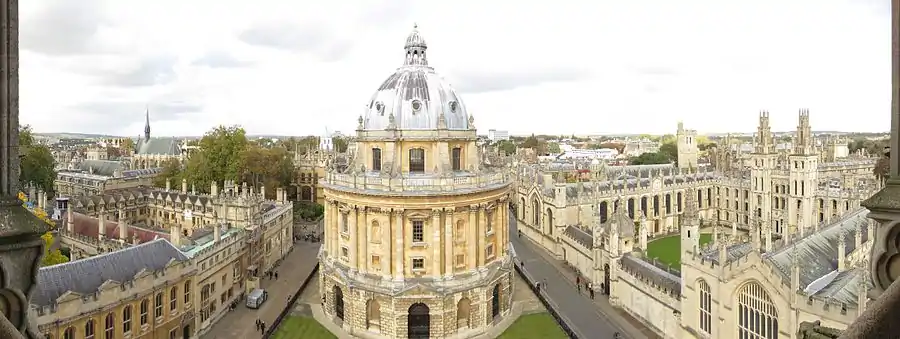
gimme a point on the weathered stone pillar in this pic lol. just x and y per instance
(399, 234)
(21, 246)
(436, 249)
(448, 244)
(471, 231)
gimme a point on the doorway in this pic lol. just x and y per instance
(419, 321)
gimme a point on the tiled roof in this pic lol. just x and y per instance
(163, 146)
(85, 276)
(89, 226)
(100, 167)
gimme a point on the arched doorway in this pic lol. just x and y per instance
(495, 302)
(463, 312)
(305, 193)
(418, 321)
(338, 303)
(606, 279)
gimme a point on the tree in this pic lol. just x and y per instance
(553, 148)
(51, 256)
(531, 142)
(670, 150)
(271, 167)
(172, 170)
(507, 147)
(307, 143)
(340, 144)
(127, 145)
(219, 156)
(37, 165)
(650, 159)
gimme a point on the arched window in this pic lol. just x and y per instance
(158, 306)
(417, 160)
(89, 329)
(187, 292)
(705, 307)
(376, 232)
(173, 299)
(110, 326)
(145, 307)
(69, 333)
(757, 316)
(536, 209)
(126, 319)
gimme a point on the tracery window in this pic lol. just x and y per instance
(757, 316)
(705, 307)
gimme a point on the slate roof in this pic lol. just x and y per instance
(619, 219)
(89, 226)
(163, 146)
(658, 276)
(734, 252)
(100, 167)
(844, 287)
(85, 276)
(580, 236)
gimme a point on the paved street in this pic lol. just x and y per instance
(584, 316)
(293, 270)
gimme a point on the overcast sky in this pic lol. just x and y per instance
(292, 67)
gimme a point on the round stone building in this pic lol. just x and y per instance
(416, 224)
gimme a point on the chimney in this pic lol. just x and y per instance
(184, 186)
(842, 252)
(734, 229)
(175, 234)
(279, 195)
(70, 220)
(123, 226)
(262, 191)
(193, 188)
(244, 190)
(284, 196)
(214, 189)
(168, 184)
(217, 233)
(101, 224)
(42, 200)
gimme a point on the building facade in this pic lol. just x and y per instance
(415, 223)
(788, 235)
(94, 177)
(155, 152)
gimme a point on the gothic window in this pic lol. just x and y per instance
(144, 309)
(679, 202)
(89, 329)
(418, 231)
(110, 328)
(668, 203)
(376, 159)
(173, 298)
(126, 319)
(705, 307)
(417, 160)
(69, 333)
(757, 316)
(456, 158)
(158, 306)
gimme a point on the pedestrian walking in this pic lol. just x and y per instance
(276, 275)
(578, 286)
(577, 280)
(592, 293)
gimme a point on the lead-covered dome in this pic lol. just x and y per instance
(415, 97)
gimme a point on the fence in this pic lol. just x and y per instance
(548, 304)
(270, 332)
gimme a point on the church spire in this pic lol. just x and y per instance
(147, 124)
(415, 49)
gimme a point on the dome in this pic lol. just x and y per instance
(415, 96)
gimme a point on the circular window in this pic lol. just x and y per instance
(416, 105)
(453, 106)
(379, 107)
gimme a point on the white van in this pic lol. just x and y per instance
(256, 298)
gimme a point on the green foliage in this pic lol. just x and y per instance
(553, 148)
(340, 144)
(531, 142)
(874, 147)
(536, 325)
(308, 211)
(507, 147)
(307, 143)
(650, 159)
(51, 256)
(172, 170)
(37, 165)
(219, 158)
(271, 167)
(670, 150)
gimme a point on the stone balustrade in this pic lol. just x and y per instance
(415, 183)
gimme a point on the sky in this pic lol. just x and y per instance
(287, 67)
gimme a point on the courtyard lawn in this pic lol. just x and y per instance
(668, 250)
(534, 326)
(296, 327)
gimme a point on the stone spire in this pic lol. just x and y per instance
(764, 142)
(803, 138)
(101, 224)
(147, 124)
(767, 233)
(842, 251)
(734, 232)
(795, 270)
(863, 286)
(754, 235)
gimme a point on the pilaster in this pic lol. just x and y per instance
(362, 232)
(399, 234)
(448, 243)
(471, 231)
(481, 233)
(386, 253)
(352, 217)
(436, 243)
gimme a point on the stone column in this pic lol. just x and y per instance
(436, 243)
(482, 223)
(399, 234)
(448, 243)
(21, 247)
(330, 219)
(363, 240)
(471, 230)
(352, 217)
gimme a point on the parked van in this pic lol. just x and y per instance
(256, 298)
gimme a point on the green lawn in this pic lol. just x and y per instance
(668, 250)
(296, 327)
(534, 326)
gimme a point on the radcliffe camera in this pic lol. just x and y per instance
(449, 170)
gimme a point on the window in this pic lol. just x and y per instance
(456, 158)
(418, 231)
(187, 292)
(460, 260)
(110, 328)
(705, 308)
(345, 227)
(757, 317)
(145, 305)
(158, 307)
(173, 334)
(126, 319)
(418, 263)
(489, 250)
(69, 333)
(376, 159)
(376, 262)
(489, 227)
(89, 329)
(173, 298)
(417, 160)
(460, 233)
(345, 252)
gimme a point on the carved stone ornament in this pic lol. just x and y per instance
(21, 248)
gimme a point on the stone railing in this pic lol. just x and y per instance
(416, 183)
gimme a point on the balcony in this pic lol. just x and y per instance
(416, 184)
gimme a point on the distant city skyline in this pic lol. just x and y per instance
(278, 68)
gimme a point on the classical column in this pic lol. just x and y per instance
(399, 234)
(471, 230)
(21, 247)
(436, 244)
(352, 217)
(363, 240)
(482, 223)
(331, 228)
(448, 243)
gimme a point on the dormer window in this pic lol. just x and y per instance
(376, 159)
(416, 160)
(456, 158)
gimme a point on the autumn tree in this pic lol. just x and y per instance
(37, 164)
(272, 167)
(52, 256)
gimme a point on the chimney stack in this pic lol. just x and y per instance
(279, 195)
(175, 234)
(214, 189)
(168, 184)
(193, 188)
(184, 186)
(70, 220)
(123, 226)
(101, 224)
(262, 191)
(217, 232)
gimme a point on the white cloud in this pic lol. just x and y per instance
(295, 67)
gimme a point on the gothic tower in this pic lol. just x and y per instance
(687, 147)
(763, 161)
(690, 224)
(803, 175)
